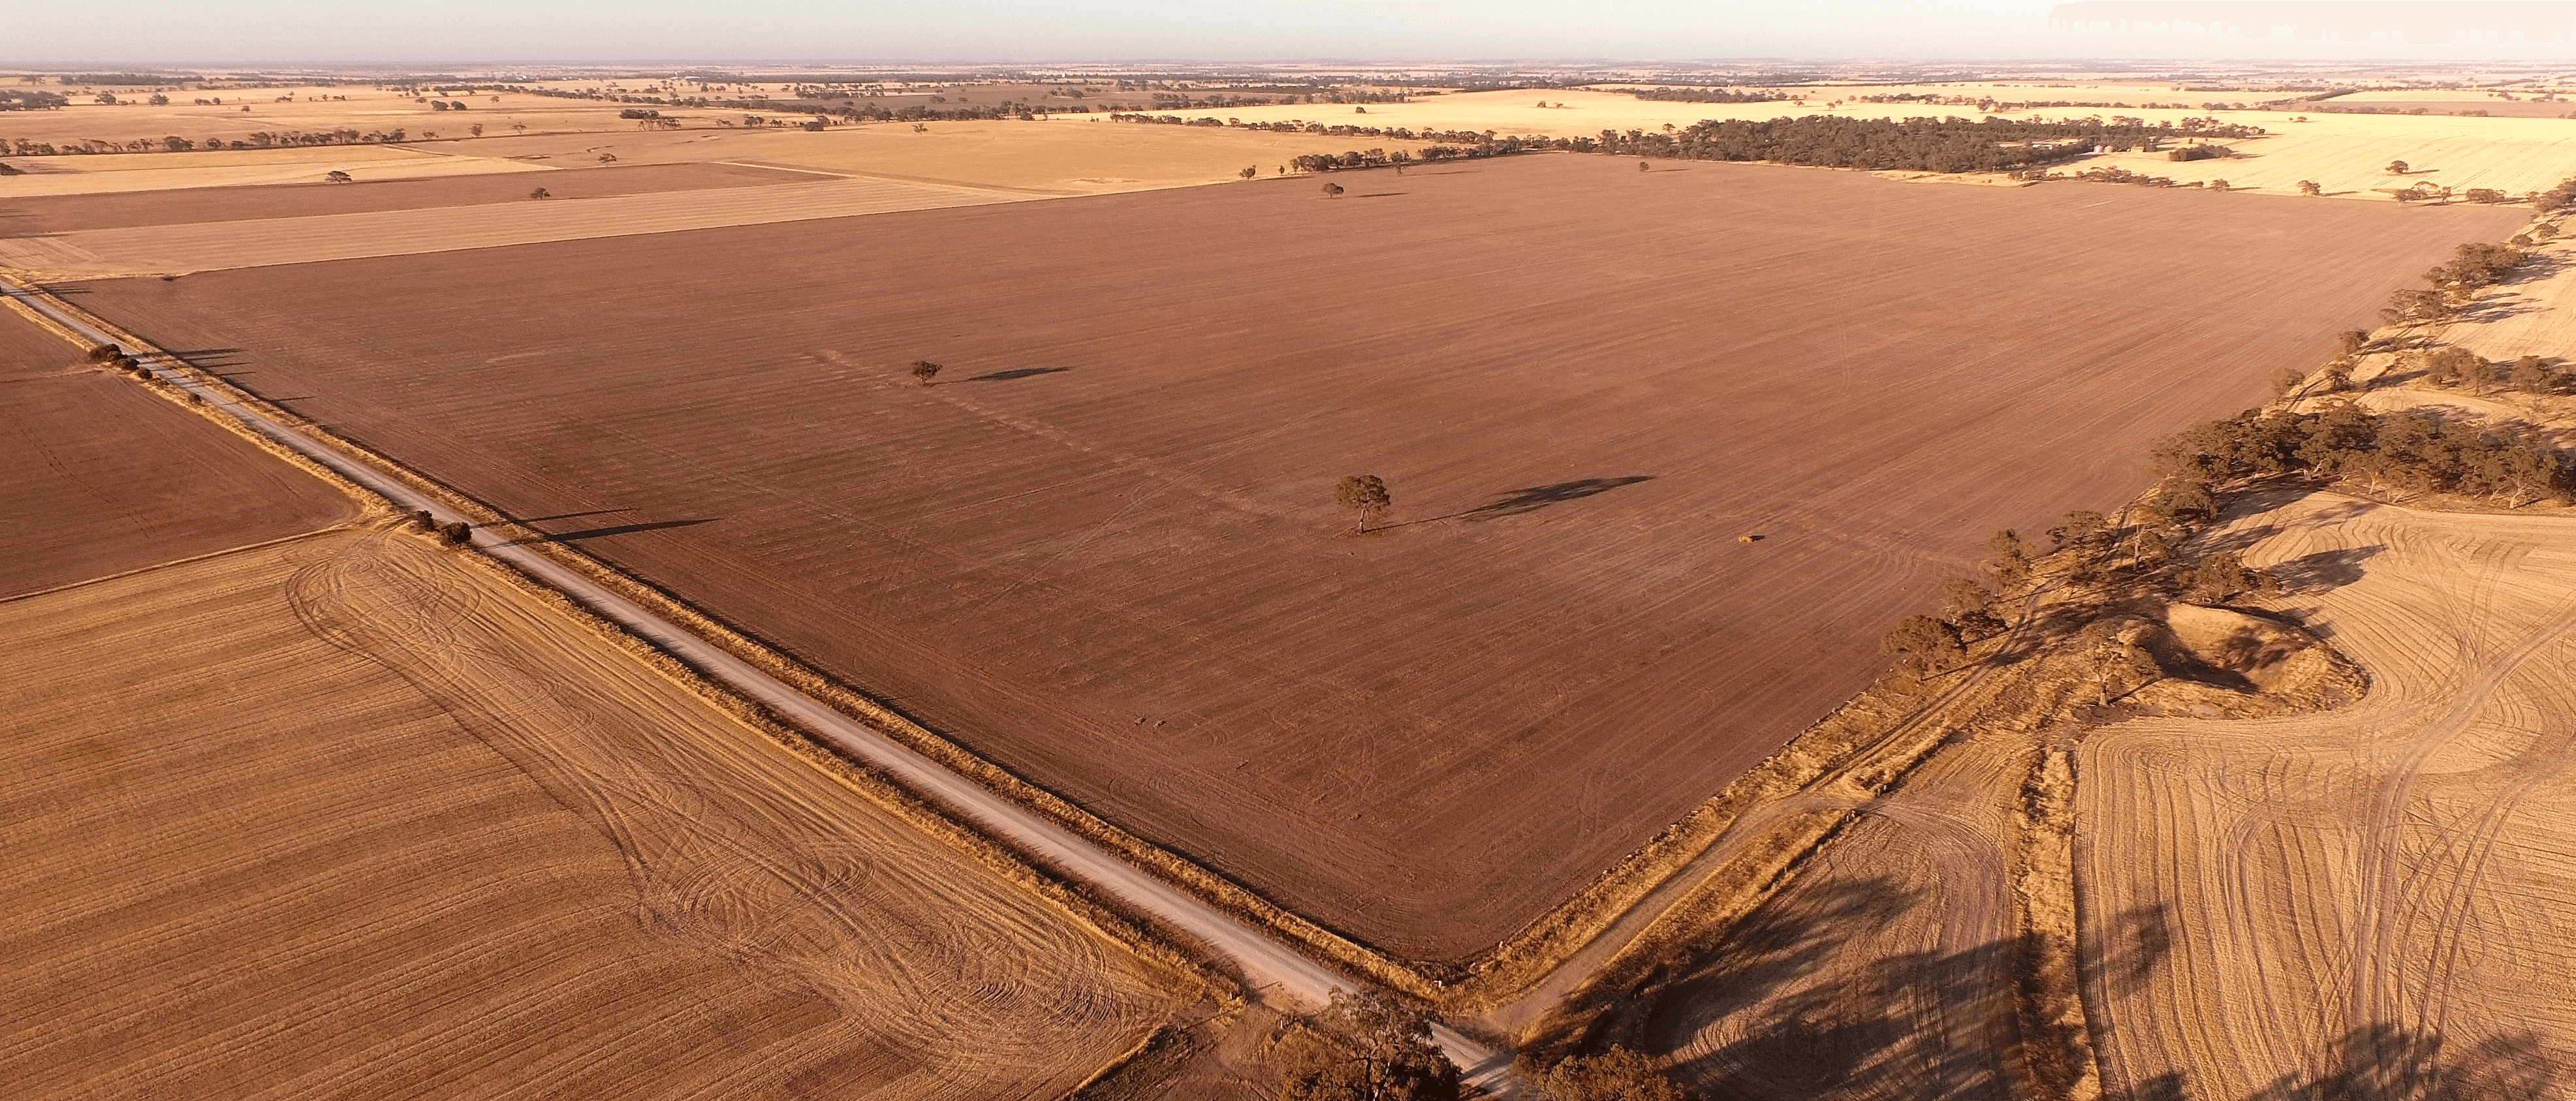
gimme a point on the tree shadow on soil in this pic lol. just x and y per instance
(599, 533)
(1534, 498)
(1779, 1007)
(1023, 372)
(2323, 571)
(2384, 1061)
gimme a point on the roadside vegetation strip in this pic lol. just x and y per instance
(1218, 931)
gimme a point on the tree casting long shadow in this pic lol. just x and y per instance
(1534, 498)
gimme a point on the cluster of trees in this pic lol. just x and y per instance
(2471, 267)
(1916, 144)
(21, 99)
(1709, 95)
(2409, 449)
(446, 105)
(2199, 153)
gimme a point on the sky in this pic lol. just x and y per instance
(421, 32)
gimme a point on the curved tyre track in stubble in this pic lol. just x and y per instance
(2353, 870)
(1264, 963)
(872, 929)
(1748, 830)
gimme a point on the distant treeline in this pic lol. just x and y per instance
(1709, 95)
(1918, 144)
(128, 79)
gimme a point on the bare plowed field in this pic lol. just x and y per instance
(205, 246)
(1103, 549)
(341, 817)
(32, 217)
(2341, 903)
(104, 476)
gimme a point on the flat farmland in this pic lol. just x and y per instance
(2318, 905)
(105, 476)
(343, 816)
(38, 215)
(1103, 549)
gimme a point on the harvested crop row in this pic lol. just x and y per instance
(273, 794)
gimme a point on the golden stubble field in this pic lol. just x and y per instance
(344, 816)
(2356, 897)
(2345, 154)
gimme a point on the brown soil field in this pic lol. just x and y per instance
(106, 476)
(341, 816)
(206, 246)
(2324, 905)
(37, 216)
(1103, 549)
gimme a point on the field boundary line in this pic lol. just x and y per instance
(1296, 953)
(107, 577)
(1325, 944)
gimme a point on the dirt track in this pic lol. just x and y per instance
(1105, 553)
(372, 824)
(2319, 905)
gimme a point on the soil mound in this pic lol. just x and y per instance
(2223, 662)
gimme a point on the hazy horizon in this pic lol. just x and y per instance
(652, 32)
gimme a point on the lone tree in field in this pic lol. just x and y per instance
(1248, 173)
(924, 370)
(1643, 166)
(1364, 494)
(2311, 187)
(1363, 1047)
(1332, 190)
(335, 176)
(2397, 168)
(541, 193)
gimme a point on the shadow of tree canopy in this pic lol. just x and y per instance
(1780, 1007)
(2389, 1062)
(1021, 372)
(1534, 498)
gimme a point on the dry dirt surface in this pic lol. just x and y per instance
(341, 816)
(1103, 549)
(105, 476)
(2364, 902)
(1884, 971)
(31, 217)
